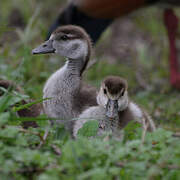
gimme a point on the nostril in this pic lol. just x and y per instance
(45, 45)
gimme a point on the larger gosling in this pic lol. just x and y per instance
(68, 96)
(115, 110)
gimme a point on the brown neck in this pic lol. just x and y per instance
(86, 60)
(125, 116)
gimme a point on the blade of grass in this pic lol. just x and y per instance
(25, 106)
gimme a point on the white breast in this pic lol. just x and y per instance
(52, 84)
(59, 89)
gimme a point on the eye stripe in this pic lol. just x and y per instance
(122, 92)
(64, 37)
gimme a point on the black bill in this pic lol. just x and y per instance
(44, 48)
(112, 109)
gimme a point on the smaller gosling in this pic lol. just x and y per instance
(115, 110)
(33, 111)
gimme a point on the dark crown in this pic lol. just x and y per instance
(115, 84)
(74, 32)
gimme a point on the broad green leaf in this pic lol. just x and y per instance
(89, 129)
(4, 117)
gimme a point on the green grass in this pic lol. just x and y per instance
(61, 157)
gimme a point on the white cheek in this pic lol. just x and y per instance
(102, 100)
(77, 49)
(74, 49)
(60, 48)
(123, 102)
(51, 37)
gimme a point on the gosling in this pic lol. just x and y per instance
(67, 95)
(115, 110)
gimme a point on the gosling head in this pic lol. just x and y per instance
(69, 41)
(113, 95)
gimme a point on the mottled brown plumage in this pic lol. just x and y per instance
(32, 111)
(7, 84)
(85, 98)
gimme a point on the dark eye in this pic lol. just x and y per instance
(105, 92)
(122, 93)
(45, 45)
(64, 37)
